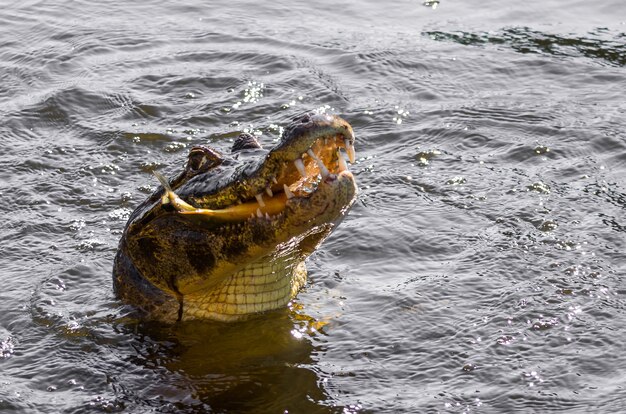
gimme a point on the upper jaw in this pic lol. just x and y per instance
(301, 135)
(313, 150)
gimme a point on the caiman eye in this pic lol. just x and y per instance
(202, 159)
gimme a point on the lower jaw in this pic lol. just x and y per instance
(269, 207)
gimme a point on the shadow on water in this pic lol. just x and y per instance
(526, 40)
(262, 365)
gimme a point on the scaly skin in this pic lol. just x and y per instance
(227, 238)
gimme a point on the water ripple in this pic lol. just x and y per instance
(479, 270)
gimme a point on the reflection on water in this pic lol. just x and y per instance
(480, 270)
(263, 365)
(117, 364)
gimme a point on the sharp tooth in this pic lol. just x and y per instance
(259, 199)
(258, 213)
(300, 166)
(267, 216)
(274, 180)
(268, 190)
(288, 192)
(350, 151)
(342, 162)
(323, 170)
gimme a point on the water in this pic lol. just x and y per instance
(479, 271)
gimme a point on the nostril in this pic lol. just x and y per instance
(306, 118)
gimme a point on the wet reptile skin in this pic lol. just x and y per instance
(175, 264)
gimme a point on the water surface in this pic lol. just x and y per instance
(479, 271)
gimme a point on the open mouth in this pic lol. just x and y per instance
(297, 178)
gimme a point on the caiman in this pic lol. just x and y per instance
(227, 237)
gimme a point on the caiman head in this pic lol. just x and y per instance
(227, 237)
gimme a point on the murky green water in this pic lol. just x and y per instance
(481, 269)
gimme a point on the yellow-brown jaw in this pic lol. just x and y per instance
(227, 238)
